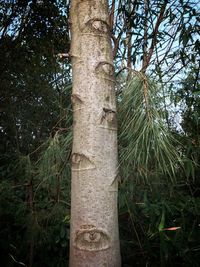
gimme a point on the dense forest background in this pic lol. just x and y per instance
(156, 50)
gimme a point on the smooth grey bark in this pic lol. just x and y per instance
(94, 237)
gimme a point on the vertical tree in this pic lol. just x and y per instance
(94, 238)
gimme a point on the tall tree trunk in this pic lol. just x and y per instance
(94, 237)
(145, 44)
(31, 206)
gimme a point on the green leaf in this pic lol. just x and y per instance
(162, 222)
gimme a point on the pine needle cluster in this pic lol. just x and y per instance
(145, 142)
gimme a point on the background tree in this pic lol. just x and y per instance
(34, 103)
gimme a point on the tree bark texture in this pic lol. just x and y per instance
(94, 237)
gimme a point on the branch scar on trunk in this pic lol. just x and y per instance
(77, 102)
(91, 239)
(76, 99)
(115, 180)
(81, 162)
(105, 70)
(96, 27)
(108, 119)
(98, 24)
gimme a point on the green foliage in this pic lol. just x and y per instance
(146, 143)
(162, 219)
(42, 195)
(35, 113)
(31, 37)
(161, 226)
(149, 206)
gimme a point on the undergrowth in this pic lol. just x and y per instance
(159, 199)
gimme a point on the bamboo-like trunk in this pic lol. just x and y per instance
(31, 206)
(94, 237)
